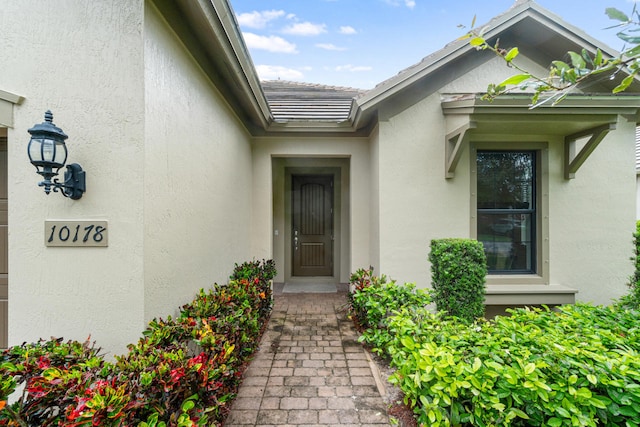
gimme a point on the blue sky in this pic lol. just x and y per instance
(360, 43)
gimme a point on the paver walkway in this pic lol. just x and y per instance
(310, 369)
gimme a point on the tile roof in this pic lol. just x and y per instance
(291, 101)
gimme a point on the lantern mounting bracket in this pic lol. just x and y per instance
(74, 183)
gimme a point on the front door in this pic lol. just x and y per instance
(312, 221)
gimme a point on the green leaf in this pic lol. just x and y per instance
(633, 52)
(516, 80)
(560, 65)
(519, 413)
(499, 406)
(554, 422)
(477, 364)
(476, 41)
(597, 403)
(628, 38)
(576, 60)
(597, 61)
(615, 14)
(511, 54)
(188, 405)
(626, 82)
(529, 368)
(408, 342)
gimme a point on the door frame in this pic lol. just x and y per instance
(336, 172)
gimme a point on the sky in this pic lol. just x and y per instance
(360, 43)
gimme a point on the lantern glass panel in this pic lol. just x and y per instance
(48, 151)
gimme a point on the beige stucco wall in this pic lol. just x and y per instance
(591, 217)
(198, 177)
(315, 152)
(84, 61)
(416, 203)
(168, 166)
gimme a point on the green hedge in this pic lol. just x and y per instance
(182, 372)
(458, 272)
(578, 365)
(633, 298)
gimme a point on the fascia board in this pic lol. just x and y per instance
(243, 65)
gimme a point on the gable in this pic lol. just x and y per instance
(540, 35)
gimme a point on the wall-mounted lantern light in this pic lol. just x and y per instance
(48, 154)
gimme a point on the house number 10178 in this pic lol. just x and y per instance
(76, 233)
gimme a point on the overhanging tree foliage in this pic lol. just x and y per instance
(566, 76)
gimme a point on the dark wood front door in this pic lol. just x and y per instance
(312, 233)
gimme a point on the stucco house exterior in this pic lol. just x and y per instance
(193, 165)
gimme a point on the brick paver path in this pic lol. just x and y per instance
(309, 370)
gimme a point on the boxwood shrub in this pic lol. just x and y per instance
(458, 272)
(182, 372)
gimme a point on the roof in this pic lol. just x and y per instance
(209, 30)
(304, 101)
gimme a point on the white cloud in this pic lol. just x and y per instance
(257, 19)
(305, 29)
(409, 3)
(276, 72)
(329, 46)
(269, 43)
(353, 68)
(347, 30)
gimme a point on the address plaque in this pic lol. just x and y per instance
(76, 233)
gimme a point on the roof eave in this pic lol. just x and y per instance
(198, 23)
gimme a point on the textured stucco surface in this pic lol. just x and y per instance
(84, 61)
(198, 177)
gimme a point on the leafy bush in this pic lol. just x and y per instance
(579, 365)
(632, 300)
(374, 300)
(182, 372)
(458, 272)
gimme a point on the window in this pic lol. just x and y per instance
(507, 210)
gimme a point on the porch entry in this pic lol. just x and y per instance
(312, 225)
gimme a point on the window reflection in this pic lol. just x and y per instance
(506, 210)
